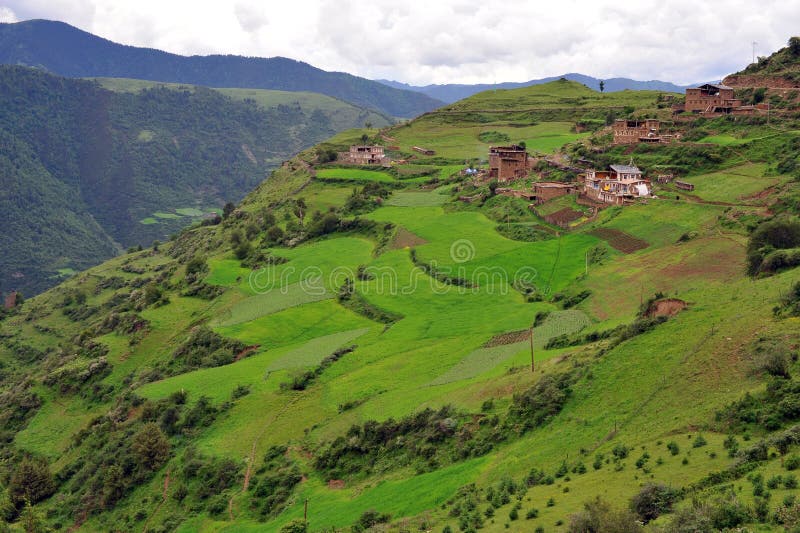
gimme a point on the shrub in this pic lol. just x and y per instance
(31, 482)
(653, 501)
(673, 448)
(151, 446)
(792, 462)
(295, 526)
(598, 516)
(699, 442)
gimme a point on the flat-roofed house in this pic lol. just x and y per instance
(364, 155)
(618, 184)
(711, 98)
(508, 163)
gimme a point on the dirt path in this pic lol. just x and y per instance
(252, 457)
(164, 494)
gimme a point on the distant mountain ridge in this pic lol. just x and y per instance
(68, 51)
(453, 92)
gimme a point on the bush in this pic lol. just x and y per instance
(295, 526)
(792, 462)
(777, 234)
(31, 482)
(151, 446)
(598, 516)
(653, 501)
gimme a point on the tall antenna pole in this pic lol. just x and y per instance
(754, 51)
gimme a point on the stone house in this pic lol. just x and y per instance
(544, 191)
(711, 98)
(507, 163)
(636, 131)
(364, 155)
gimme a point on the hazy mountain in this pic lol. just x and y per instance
(452, 92)
(69, 51)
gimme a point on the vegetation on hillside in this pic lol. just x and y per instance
(381, 351)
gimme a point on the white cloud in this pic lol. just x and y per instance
(450, 41)
(7, 15)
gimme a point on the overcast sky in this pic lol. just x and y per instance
(449, 41)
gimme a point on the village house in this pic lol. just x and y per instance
(544, 191)
(508, 163)
(618, 184)
(637, 131)
(364, 155)
(710, 98)
(10, 300)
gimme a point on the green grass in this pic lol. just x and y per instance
(354, 174)
(270, 302)
(168, 216)
(190, 212)
(416, 199)
(148, 220)
(732, 185)
(480, 361)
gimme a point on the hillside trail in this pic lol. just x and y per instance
(252, 457)
(164, 494)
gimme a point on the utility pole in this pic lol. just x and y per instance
(533, 365)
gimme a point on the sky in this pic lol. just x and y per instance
(449, 41)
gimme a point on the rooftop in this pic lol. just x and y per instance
(625, 169)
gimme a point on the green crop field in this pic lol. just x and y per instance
(733, 185)
(353, 174)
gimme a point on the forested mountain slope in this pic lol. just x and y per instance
(68, 51)
(88, 171)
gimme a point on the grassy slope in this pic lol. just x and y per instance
(343, 115)
(660, 386)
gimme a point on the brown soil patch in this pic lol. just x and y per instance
(509, 337)
(619, 240)
(336, 484)
(405, 239)
(563, 216)
(247, 351)
(666, 307)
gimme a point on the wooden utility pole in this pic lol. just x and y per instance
(533, 365)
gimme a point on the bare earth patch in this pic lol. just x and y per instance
(619, 240)
(510, 337)
(666, 307)
(405, 239)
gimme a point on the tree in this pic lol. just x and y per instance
(602, 85)
(150, 446)
(653, 501)
(364, 138)
(228, 209)
(368, 125)
(31, 482)
(794, 46)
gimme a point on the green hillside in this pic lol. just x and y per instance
(316, 107)
(362, 346)
(89, 172)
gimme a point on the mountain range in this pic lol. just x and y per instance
(452, 92)
(68, 51)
